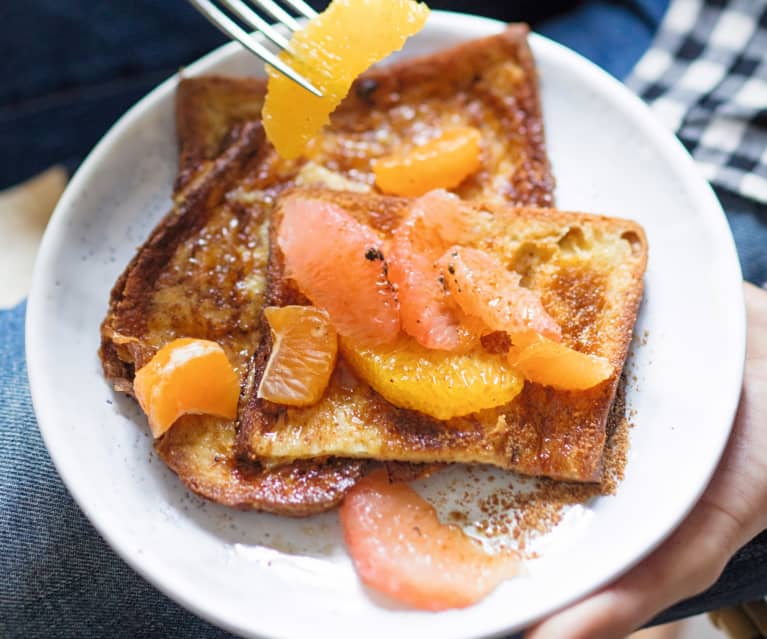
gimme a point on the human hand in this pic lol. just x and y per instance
(732, 510)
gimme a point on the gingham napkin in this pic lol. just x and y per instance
(706, 78)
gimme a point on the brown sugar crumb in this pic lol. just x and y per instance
(497, 342)
(520, 514)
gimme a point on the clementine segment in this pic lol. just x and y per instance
(331, 51)
(338, 263)
(554, 364)
(186, 376)
(304, 347)
(441, 163)
(400, 548)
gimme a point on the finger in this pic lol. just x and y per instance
(731, 511)
(686, 564)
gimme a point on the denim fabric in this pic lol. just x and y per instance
(69, 70)
(748, 221)
(613, 35)
(744, 579)
(58, 578)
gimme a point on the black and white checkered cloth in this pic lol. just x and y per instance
(705, 76)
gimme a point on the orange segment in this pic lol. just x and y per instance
(338, 263)
(304, 347)
(484, 288)
(554, 364)
(186, 376)
(331, 51)
(437, 383)
(441, 163)
(400, 548)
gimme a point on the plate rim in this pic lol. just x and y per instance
(35, 320)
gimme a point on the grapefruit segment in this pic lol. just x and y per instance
(441, 163)
(331, 51)
(425, 311)
(304, 347)
(483, 288)
(338, 263)
(434, 223)
(437, 383)
(553, 364)
(186, 376)
(444, 221)
(400, 548)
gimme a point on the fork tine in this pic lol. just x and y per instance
(278, 13)
(302, 8)
(225, 24)
(256, 21)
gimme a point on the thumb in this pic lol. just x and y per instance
(729, 514)
(687, 563)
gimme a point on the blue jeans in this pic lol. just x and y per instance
(70, 69)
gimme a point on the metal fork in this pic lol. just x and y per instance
(218, 18)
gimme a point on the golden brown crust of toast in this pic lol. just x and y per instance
(493, 83)
(187, 280)
(489, 83)
(200, 451)
(209, 113)
(593, 294)
(227, 174)
(133, 328)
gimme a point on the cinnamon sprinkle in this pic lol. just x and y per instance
(514, 513)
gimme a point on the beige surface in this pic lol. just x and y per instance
(24, 213)
(757, 612)
(747, 621)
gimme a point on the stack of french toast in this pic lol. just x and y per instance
(212, 265)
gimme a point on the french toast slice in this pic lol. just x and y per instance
(489, 83)
(202, 271)
(201, 274)
(588, 270)
(209, 113)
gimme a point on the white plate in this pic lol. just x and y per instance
(262, 575)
